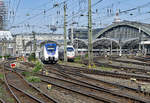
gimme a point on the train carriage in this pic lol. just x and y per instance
(49, 53)
(70, 53)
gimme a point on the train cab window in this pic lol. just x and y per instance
(51, 48)
(70, 49)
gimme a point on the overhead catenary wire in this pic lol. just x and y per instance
(84, 10)
(126, 11)
(38, 14)
(75, 14)
(16, 11)
(51, 9)
(102, 17)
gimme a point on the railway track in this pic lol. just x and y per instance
(96, 89)
(128, 76)
(97, 82)
(23, 91)
(88, 80)
(138, 77)
(132, 62)
(78, 88)
(125, 65)
(60, 85)
(71, 86)
(142, 59)
(2, 101)
(5, 92)
(122, 65)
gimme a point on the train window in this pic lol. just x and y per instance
(51, 48)
(70, 49)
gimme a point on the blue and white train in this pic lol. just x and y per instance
(49, 53)
(70, 53)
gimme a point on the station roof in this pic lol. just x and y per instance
(141, 26)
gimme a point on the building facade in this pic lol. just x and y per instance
(7, 44)
(81, 33)
(25, 42)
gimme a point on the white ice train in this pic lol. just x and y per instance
(70, 53)
(49, 53)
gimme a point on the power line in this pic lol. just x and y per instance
(142, 6)
(97, 3)
(16, 11)
(44, 4)
(42, 12)
(84, 10)
(126, 11)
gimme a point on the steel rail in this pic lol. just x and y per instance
(132, 62)
(2, 101)
(85, 94)
(92, 87)
(27, 94)
(112, 74)
(79, 92)
(98, 80)
(41, 92)
(6, 82)
(97, 87)
(127, 96)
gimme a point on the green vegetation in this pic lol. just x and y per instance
(86, 56)
(2, 76)
(7, 56)
(77, 59)
(106, 68)
(75, 64)
(29, 75)
(1, 92)
(3, 95)
(38, 67)
(32, 57)
(10, 100)
(33, 79)
(26, 74)
(60, 62)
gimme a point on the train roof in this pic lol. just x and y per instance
(47, 44)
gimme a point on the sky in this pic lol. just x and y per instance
(40, 15)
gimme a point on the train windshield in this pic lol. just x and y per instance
(70, 49)
(51, 48)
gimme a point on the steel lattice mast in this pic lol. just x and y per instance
(65, 35)
(90, 51)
